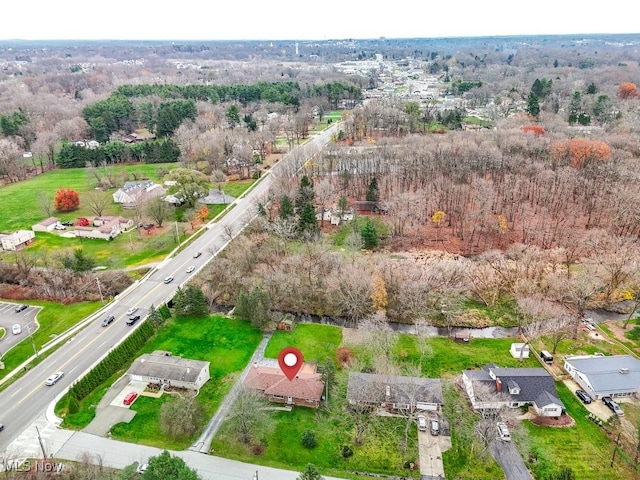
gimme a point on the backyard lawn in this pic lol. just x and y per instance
(316, 342)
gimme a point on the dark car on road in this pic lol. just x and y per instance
(108, 321)
(132, 319)
(584, 396)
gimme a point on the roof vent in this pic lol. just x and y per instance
(624, 370)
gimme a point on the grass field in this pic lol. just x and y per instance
(316, 342)
(21, 198)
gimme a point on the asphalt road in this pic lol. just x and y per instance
(508, 457)
(22, 402)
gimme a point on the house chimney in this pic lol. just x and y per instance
(498, 385)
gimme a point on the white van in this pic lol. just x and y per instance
(503, 432)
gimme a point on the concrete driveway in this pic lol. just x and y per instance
(430, 448)
(111, 410)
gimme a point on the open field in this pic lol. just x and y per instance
(21, 198)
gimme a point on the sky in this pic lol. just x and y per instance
(305, 20)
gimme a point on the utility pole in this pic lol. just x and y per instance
(99, 289)
(33, 343)
(44, 453)
(615, 448)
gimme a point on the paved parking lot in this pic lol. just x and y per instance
(9, 317)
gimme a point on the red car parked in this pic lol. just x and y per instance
(131, 396)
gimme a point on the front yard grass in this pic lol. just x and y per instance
(380, 452)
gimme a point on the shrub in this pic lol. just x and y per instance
(346, 451)
(257, 449)
(344, 355)
(309, 439)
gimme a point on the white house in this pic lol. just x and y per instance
(163, 368)
(494, 387)
(601, 376)
(105, 228)
(17, 240)
(135, 193)
(46, 225)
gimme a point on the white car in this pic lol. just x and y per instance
(191, 269)
(53, 379)
(503, 432)
(422, 423)
(132, 310)
(142, 468)
(16, 329)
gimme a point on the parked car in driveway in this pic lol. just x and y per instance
(132, 319)
(20, 308)
(422, 423)
(53, 379)
(108, 321)
(16, 329)
(584, 396)
(503, 432)
(434, 427)
(613, 406)
(130, 398)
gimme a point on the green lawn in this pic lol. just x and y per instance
(445, 358)
(54, 319)
(333, 428)
(316, 342)
(21, 198)
(227, 343)
(584, 447)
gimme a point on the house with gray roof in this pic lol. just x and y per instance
(394, 393)
(164, 369)
(494, 387)
(601, 376)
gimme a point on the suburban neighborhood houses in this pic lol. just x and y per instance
(165, 371)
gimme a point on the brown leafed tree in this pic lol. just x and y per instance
(627, 90)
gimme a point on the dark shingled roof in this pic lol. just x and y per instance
(160, 365)
(371, 388)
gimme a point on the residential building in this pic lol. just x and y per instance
(17, 240)
(304, 390)
(162, 368)
(46, 225)
(394, 393)
(133, 194)
(602, 376)
(105, 228)
(494, 387)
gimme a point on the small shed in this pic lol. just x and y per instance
(287, 323)
(462, 337)
(519, 350)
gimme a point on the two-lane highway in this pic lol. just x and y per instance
(28, 397)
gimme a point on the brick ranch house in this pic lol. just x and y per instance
(305, 390)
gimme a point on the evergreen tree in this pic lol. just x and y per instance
(533, 105)
(254, 306)
(305, 194)
(373, 192)
(307, 223)
(310, 472)
(286, 207)
(369, 235)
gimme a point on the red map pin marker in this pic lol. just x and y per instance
(290, 360)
